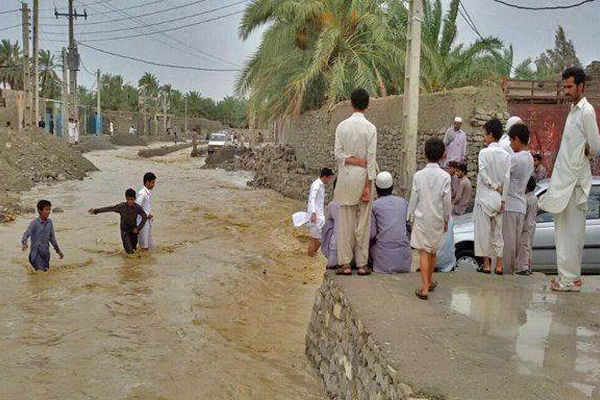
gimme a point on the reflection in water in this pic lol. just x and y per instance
(545, 341)
(215, 312)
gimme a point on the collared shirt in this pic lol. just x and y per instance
(42, 235)
(505, 144)
(493, 178)
(316, 199)
(357, 137)
(430, 200)
(540, 173)
(128, 215)
(572, 167)
(456, 145)
(464, 192)
(144, 199)
(521, 169)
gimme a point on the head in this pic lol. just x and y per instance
(384, 184)
(130, 197)
(573, 83)
(457, 123)
(326, 175)
(8, 124)
(461, 171)
(195, 130)
(493, 131)
(537, 159)
(44, 207)
(519, 137)
(359, 99)
(513, 121)
(452, 167)
(149, 180)
(434, 150)
(531, 184)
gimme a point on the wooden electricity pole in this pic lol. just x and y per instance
(410, 115)
(26, 70)
(64, 101)
(36, 61)
(98, 113)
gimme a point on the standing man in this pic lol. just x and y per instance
(455, 141)
(111, 128)
(571, 182)
(355, 153)
(464, 191)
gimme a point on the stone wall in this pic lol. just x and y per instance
(12, 106)
(345, 355)
(312, 134)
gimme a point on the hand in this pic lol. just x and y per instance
(61, 255)
(500, 189)
(91, 211)
(502, 206)
(313, 218)
(366, 194)
(150, 216)
(24, 247)
(135, 231)
(445, 227)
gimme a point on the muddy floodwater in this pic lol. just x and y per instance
(218, 311)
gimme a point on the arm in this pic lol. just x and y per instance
(105, 210)
(373, 231)
(338, 151)
(484, 173)
(464, 149)
(54, 243)
(460, 191)
(447, 201)
(590, 127)
(26, 235)
(446, 139)
(372, 156)
(414, 201)
(312, 203)
(506, 183)
(142, 213)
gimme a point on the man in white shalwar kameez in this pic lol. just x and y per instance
(144, 199)
(355, 153)
(571, 182)
(492, 191)
(71, 131)
(316, 210)
(505, 139)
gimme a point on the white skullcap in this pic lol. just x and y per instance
(514, 120)
(458, 119)
(384, 180)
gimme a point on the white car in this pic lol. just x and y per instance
(219, 140)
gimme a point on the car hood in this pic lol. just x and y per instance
(464, 229)
(216, 143)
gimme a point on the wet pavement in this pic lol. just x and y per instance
(482, 337)
(218, 311)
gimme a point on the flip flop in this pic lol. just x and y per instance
(433, 286)
(485, 271)
(499, 272)
(345, 270)
(419, 294)
(364, 271)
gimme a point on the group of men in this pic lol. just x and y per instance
(374, 234)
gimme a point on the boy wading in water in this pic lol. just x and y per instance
(316, 210)
(41, 232)
(144, 199)
(129, 211)
(429, 213)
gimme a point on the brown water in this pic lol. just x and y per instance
(218, 311)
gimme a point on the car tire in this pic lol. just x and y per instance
(466, 259)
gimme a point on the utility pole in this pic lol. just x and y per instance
(165, 113)
(36, 61)
(410, 115)
(98, 114)
(73, 55)
(64, 103)
(185, 127)
(26, 69)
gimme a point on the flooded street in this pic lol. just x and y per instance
(218, 311)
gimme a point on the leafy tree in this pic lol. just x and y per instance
(10, 60)
(231, 110)
(49, 81)
(149, 83)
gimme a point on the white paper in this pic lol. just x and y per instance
(300, 218)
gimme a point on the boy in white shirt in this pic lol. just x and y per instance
(316, 210)
(492, 190)
(144, 199)
(429, 213)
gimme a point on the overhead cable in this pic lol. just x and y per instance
(10, 27)
(544, 8)
(8, 11)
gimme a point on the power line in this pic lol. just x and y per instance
(184, 67)
(8, 12)
(544, 8)
(10, 27)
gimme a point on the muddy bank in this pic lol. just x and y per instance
(89, 143)
(164, 150)
(31, 157)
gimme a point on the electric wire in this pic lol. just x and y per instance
(9, 11)
(544, 8)
(10, 27)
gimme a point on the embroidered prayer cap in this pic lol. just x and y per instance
(384, 180)
(458, 119)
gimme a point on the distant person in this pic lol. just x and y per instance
(51, 126)
(41, 124)
(111, 128)
(132, 130)
(71, 131)
(355, 152)
(41, 232)
(527, 236)
(129, 212)
(455, 141)
(490, 199)
(390, 251)
(571, 182)
(316, 209)
(195, 141)
(175, 134)
(76, 131)
(464, 191)
(539, 171)
(513, 216)
(8, 125)
(452, 168)
(429, 212)
(505, 139)
(144, 199)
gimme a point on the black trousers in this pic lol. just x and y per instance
(130, 241)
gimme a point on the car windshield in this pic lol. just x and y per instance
(218, 137)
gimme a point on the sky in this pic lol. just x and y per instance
(529, 32)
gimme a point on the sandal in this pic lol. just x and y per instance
(433, 285)
(419, 294)
(344, 270)
(364, 271)
(501, 272)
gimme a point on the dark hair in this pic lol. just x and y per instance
(531, 184)
(360, 99)
(434, 149)
(384, 192)
(494, 127)
(326, 172)
(43, 204)
(537, 156)
(520, 131)
(463, 168)
(130, 193)
(149, 177)
(453, 164)
(575, 72)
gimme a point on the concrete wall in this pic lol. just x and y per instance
(12, 106)
(312, 134)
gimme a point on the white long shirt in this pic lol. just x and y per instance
(316, 199)
(430, 189)
(572, 167)
(521, 169)
(505, 143)
(494, 174)
(144, 199)
(456, 145)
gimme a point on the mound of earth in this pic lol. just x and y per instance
(89, 143)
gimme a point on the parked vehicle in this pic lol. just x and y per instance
(219, 140)
(544, 247)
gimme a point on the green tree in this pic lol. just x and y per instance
(149, 83)
(49, 81)
(231, 110)
(10, 64)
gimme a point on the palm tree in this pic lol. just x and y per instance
(49, 81)
(149, 83)
(10, 63)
